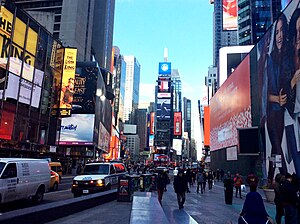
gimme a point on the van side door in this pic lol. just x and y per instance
(113, 176)
(9, 179)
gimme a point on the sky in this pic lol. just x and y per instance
(143, 28)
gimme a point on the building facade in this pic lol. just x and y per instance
(187, 116)
(132, 84)
(177, 90)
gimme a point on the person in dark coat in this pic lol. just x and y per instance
(279, 180)
(252, 180)
(254, 211)
(200, 181)
(228, 188)
(162, 181)
(210, 179)
(180, 187)
(222, 174)
(289, 200)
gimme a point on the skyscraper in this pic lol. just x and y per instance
(132, 84)
(187, 116)
(224, 35)
(176, 83)
(255, 17)
(86, 25)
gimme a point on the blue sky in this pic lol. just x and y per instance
(143, 28)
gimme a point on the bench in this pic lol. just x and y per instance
(146, 209)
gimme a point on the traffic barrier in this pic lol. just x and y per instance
(45, 212)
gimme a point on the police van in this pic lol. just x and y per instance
(23, 178)
(97, 177)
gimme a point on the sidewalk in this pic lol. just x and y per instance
(207, 208)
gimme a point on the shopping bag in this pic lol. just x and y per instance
(243, 187)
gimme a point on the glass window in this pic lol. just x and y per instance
(96, 169)
(10, 171)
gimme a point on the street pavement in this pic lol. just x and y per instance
(207, 208)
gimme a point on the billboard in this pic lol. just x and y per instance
(151, 140)
(177, 145)
(84, 91)
(152, 118)
(206, 126)
(177, 124)
(164, 85)
(161, 157)
(163, 109)
(164, 68)
(230, 19)
(77, 130)
(230, 108)
(164, 95)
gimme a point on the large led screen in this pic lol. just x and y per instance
(163, 109)
(230, 19)
(77, 130)
(230, 108)
(177, 124)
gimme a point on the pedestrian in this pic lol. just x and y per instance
(189, 179)
(289, 200)
(237, 184)
(252, 180)
(228, 188)
(200, 181)
(162, 181)
(218, 175)
(222, 174)
(180, 187)
(254, 211)
(279, 180)
(210, 179)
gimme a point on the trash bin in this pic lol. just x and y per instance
(136, 180)
(125, 189)
(153, 182)
(145, 182)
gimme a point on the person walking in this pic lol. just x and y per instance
(228, 188)
(162, 181)
(222, 174)
(289, 200)
(252, 180)
(200, 181)
(180, 187)
(218, 175)
(279, 180)
(210, 179)
(237, 184)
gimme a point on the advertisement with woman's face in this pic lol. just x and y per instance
(278, 69)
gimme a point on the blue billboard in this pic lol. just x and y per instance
(164, 68)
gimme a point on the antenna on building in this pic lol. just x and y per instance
(166, 54)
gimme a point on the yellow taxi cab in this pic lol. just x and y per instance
(54, 180)
(56, 167)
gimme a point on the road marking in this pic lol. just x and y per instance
(55, 192)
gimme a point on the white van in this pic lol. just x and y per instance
(97, 177)
(23, 178)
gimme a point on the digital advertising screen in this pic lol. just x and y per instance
(164, 68)
(163, 109)
(77, 130)
(230, 19)
(177, 124)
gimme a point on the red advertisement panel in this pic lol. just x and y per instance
(152, 114)
(7, 121)
(230, 108)
(230, 19)
(177, 123)
(206, 126)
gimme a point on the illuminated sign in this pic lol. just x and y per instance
(177, 124)
(230, 15)
(163, 109)
(164, 68)
(77, 130)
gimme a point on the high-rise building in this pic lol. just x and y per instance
(86, 25)
(177, 94)
(141, 122)
(132, 84)
(255, 17)
(224, 34)
(187, 116)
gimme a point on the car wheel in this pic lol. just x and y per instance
(55, 186)
(39, 195)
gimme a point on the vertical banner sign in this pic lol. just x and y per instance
(206, 126)
(68, 78)
(152, 114)
(177, 124)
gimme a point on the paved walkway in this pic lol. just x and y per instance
(207, 208)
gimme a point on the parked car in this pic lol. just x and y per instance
(54, 181)
(23, 178)
(97, 177)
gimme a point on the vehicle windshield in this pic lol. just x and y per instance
(96, 169)
(2, 165)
